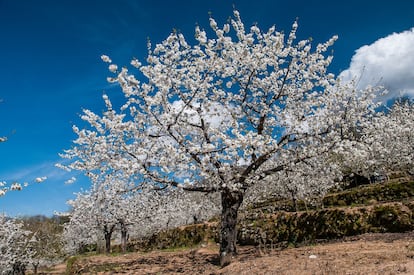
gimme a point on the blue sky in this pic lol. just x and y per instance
(50, 66)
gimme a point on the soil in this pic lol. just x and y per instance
(364, 254)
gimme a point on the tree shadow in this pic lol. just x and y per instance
(214, 260)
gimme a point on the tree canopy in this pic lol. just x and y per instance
(243, 108)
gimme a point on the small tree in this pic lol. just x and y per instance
(384, 144)
(79, 232)
(221, 115)
(92, 211)
(15, 243)
(303, 181)
(391, 140)
(106, 206)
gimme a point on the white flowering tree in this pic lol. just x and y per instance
(110, 207)
(390, 138)
(221, 115)
(171, 208)
(15, 243)
(110, 204)
(307, 181)
(95, 211)
(80, 231)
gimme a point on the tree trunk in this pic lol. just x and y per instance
(294, 201)
(19, 268)
(230, 202)
(108, 242)
(35, 267)
(108, 235)
(124, 237)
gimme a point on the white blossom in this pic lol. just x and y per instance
(106, 59)
(16, 186)
(14, 244)
(40, 179)
(226, 115)
(135, 63)
(113, 68)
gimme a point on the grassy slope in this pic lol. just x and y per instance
(377, 208)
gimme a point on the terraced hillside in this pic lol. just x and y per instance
(380, 212)
(374, 208)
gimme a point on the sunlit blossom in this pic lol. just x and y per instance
(238, 115)
(106, 59)
(40, 179)
(113, 68)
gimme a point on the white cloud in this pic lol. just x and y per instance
(388, 62)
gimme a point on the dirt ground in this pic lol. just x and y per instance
(364, 254)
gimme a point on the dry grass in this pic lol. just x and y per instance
(364, 254)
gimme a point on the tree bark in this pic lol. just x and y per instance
(124, 236)
(19, 268)
(230, 202)
(108, 235)
(35, 267)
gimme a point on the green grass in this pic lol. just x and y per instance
(70, 264)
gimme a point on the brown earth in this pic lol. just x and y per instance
(365, 254)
